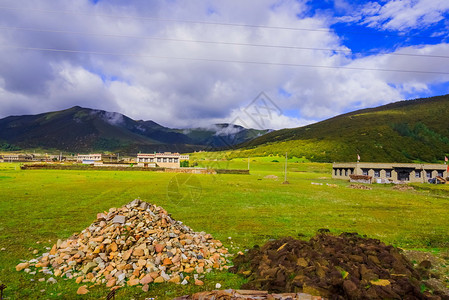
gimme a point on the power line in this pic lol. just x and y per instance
(219, 42)
(222, 60)
(210, 23)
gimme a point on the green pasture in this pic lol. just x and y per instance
(241, 210)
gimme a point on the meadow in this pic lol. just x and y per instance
(37, 207)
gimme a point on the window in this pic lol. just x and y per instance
(158, 159)
(440, 173)
(164, 159)
(170, 160)
(151, 159)
(429, 174)
(388, 173)
(175, 160)
(417, 174)
(346, 172)
(377, 173)
(341, 172)
(365, 172)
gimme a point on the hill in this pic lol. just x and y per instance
(84, 130)
(405, 131)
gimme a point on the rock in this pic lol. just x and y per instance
(146, 279)
(175, 279)
(133, 282)
(218, 286)
(119, 219)
(198, 282)
(111, 282)
(88, 267)
(145, 288)
(22, 266)
(159, 279)
(184, 282)
(159, 247)
(51, 280)
(82, 290)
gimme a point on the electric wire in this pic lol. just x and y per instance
(222, 60)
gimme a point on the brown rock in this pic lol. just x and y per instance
(146, 279)
(159, 247)
(159, 279)
(111, 282)
(138, 252)
(82, 290)
(145, 288)
(22, 266)
(167, 261)
(198, 282)
(133, 282)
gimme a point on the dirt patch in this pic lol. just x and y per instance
(274, 177)
(403, 187)
(336, 267)
(359, 187)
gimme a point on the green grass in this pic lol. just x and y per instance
(46, 205)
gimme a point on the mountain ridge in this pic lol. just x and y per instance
(79, 129)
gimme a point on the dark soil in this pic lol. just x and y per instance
(336, 267)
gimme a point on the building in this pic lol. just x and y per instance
(163, 160)
(389, 172)
(89, 158)
(17, 157)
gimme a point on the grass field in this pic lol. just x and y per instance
(46, 205)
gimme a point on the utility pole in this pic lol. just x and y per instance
(285, 171)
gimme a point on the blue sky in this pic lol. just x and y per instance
(198, 62)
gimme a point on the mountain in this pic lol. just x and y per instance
(405, 131)
(84, 130)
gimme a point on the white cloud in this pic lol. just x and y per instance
(193, 93)
(404, 15)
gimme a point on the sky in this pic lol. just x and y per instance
(193, 63)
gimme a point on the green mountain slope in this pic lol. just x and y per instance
(405, 131)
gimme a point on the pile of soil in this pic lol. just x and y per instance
(136, 244)
(336, 267)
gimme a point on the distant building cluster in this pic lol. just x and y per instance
(150, 160)
(388, 172)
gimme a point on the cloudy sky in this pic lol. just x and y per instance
(185, 63)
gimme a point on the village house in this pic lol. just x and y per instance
(163, 160)
(89, 158)
(388, 172)
(17, 157)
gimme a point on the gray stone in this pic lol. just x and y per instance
(119, 219)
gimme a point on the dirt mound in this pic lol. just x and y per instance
(136, 244)
(359, 187)
(335, 267)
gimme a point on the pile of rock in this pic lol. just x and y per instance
(337, 267)
(359, 187)
(136, 244)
